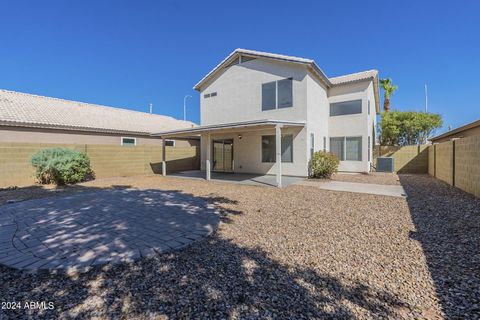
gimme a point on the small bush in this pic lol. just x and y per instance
(61, 166)
(323, 165)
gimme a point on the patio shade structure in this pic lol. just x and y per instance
(236, 127)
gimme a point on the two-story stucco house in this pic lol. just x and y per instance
(266, 113)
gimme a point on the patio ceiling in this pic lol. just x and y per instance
(230, 127)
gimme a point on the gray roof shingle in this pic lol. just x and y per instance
(21, 109)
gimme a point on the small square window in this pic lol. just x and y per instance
(129, 141)
(213, 94)
(170, 143)
(206, 95)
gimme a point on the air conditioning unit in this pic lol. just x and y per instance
(385, 164)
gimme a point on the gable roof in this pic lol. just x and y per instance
(28, 110)
(311, 64)
(468, 126)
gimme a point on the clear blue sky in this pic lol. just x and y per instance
(130, 53)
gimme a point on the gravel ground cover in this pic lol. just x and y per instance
(298, 252)
(373, 177)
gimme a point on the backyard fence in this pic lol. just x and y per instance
(457, 163)
(407, 159)
(106, 160)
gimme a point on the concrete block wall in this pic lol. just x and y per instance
(467, 164)
(106, 160)
(407, 159)
(457, 163)
(444, 161)
(431, 161)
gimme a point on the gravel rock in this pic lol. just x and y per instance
(298, 252)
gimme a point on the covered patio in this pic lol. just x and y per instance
(238, 178)
(220, 139)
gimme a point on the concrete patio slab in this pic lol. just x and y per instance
(93, 228)
(370, 188)
(239, 178)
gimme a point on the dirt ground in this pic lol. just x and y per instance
(297, 252)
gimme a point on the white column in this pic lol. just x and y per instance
(278, 151)
(164, 158)
(208, 155)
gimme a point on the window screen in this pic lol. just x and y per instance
(268, 96)
(345, 108)
(369, 148)
(312, 144)
(170, 143)
(287, 148)
(128, 141)
(337, 147)
(268, 148)
(353, 149)
(285, 93)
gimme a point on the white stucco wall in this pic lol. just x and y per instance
(239, 98)
(352, 125)
(239, 93)
(317, 113)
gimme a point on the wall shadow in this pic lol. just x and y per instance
(447, 222)
(213, 278)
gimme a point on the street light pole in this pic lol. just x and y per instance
(426, 99)
(185, 106)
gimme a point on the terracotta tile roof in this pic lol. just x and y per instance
(21, 109)
(369, 74)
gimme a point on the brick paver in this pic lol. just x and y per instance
(99, 227)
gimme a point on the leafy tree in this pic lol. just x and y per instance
(388, 90)
(401, 128)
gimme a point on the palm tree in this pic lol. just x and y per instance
(388, 89)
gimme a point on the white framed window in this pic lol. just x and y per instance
(347, 148)
(345, 108)
(369, 147)
(169, 143)
(128, 141)
(277, 94)
(368, 107)
(269, 148)
(312, 144)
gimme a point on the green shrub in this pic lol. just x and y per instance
(61, 166)
(323, 165)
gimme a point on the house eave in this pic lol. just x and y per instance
(229, 126)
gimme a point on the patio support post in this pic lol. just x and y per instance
(164, 158)
(208, 155)
(278, 152)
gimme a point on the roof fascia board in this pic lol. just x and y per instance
(230, 126)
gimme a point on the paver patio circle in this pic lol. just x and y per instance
(94, 228)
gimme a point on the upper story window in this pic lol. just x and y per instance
(345, 108)
(277, 94)
(209, 95)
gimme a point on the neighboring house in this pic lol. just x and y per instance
(257, 108)
(470, 129)
(37, 119)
